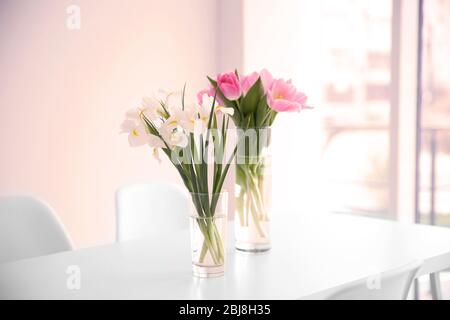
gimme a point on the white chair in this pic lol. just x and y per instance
(435, 285)
(150, 208)
(29, 228)
(390, 285)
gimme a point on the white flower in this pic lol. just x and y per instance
(137, 134)
(172, 135)
(155, 141)
(178, 138)
(172, 122)
(170, 99)
(191, 119)
(160, 106)
(186, 118)
(195, 118)
(152, 109)
(225, 110)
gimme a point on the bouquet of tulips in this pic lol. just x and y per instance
(187, 134)
(255, 99)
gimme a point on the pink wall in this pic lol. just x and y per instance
(63, 95)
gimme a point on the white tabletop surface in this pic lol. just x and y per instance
(310, 254)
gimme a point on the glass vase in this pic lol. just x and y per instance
(253, 191)
(208, 228)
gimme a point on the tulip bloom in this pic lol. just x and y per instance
(248, 81)
(267, 79)
(229, 85)
(283, 96)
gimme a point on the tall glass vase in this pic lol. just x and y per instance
(208, 225)
(253, 191)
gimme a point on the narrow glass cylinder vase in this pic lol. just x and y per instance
(253, 191)
(208, 227)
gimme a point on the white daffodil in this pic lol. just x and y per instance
(155, 141)
(137, 131)
(178, 138)
(186, 118)
(172, 135)
(203, 114)
(170, 99)
(152, 109)
(225, 110)
(137, 134)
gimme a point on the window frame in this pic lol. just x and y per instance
(405, 109)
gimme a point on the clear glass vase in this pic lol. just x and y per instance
(253, 191)
(208, 228)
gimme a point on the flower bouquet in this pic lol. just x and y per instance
(189, 135)
(255, 99)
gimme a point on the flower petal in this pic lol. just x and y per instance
(222, 109)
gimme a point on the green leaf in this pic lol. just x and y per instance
(252, 98)
(237, 117)
(212, 81)
(248, 121)
(182, 97)
(273, 114)
(261, 112)
(221, 180)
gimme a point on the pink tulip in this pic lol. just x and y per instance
(267, 79)
(229, 85)
(283, 96)
(248, 81)
(210, 91)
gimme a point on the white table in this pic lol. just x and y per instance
(311, 254)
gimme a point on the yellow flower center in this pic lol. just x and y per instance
(172, 123)
(135, 132)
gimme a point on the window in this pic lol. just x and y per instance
(434, 192)
(356, 48)
(357, 60)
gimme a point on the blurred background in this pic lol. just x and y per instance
(376, 71)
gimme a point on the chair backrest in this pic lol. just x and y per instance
(29, 228)
(390, 285)
(150, 209)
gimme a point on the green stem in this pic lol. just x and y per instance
(203, 252)
(240, 205)
(213, 242)
(252, 197)
(256, 220)
(208, 244)
(256, 186)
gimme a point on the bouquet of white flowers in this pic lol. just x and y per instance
(189, 135)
